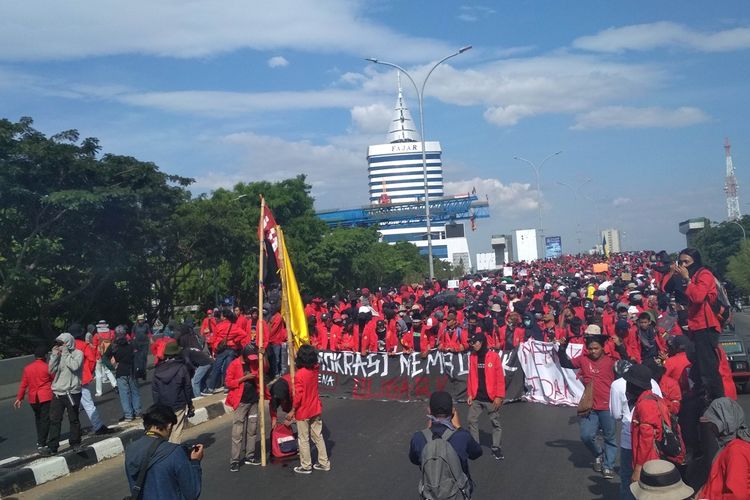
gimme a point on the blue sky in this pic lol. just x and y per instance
(638, 95)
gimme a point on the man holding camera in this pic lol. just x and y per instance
(159, 469)
(65, 366)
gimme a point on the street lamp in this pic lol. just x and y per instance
(420, 96)
(538, 183)
(744, 234)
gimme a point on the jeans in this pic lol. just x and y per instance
(600, 419)
(219, 370)
(197, 380)
(71, 403)
(41, 417)
(130, 397)
(626, 472)
(274, 359)
(89, 407)
(476, 409)
(101, 372)
(705, 369)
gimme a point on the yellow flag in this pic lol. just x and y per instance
(292, 308)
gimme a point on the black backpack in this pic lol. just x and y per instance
(670, 445)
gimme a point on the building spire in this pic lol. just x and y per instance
(402, 127)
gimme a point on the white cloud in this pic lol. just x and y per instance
(473, 13)
(626, 117)
(218, 103)
(513, 89)
(277, 62)
(372, 119)
(338, 175)
(515, 197)
(664, 34)
(622, 201)
(53, 30)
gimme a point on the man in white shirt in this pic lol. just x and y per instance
(618, 407)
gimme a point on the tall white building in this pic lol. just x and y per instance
(611, 241)
(396, 174)
(395, 169)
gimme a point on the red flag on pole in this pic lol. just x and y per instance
(267, 232)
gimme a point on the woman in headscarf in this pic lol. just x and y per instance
(730, 472)
(699, 285)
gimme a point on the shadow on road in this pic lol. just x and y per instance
(604, 488)
(579, 454)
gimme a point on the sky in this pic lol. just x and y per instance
(638, 96)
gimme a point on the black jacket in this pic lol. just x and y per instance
(171, 386)
(124, 355)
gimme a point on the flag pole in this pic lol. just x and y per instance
(287, 317)
(259, 338)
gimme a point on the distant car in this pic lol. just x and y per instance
(739, 360)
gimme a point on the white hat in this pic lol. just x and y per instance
(660, 480)
(593, 330)
(632, 310)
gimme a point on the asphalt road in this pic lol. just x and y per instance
(18, 434)
(368, 445)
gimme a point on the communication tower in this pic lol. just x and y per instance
(733, 201)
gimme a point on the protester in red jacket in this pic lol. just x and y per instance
(307, 410)
(649, 414)
(730, 473)
(243, 397)
(415, 340)
(485, 390)
(37, 382)
(699, 287)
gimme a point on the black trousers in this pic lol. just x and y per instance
(57, 407)
(705, 370)
(41, 416)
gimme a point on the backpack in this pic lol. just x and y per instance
(442, 475)
(670, 445)
(721, 306)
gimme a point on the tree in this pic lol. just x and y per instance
(738, 269)
(718, 243)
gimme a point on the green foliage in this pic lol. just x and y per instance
(738, 269)
(718, 243)
(86, 236)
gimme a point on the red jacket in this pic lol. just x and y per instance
(677, 366)
(670, 390)
(306, 397)
(425, 342)
(231, 332)
(646, 427)
(453, 340)
(278, 330)
(235, 371)
(730, 473)
(700, 291)
(369, 340)
(37, 380)
(730, 390)
(494, 375)
(89, 361)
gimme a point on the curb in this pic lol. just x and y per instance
(47, 469)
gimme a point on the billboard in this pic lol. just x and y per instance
(552, 247)
(525, 242)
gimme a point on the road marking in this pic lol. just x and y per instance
(9, 460)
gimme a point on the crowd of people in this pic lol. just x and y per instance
(648, 327)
